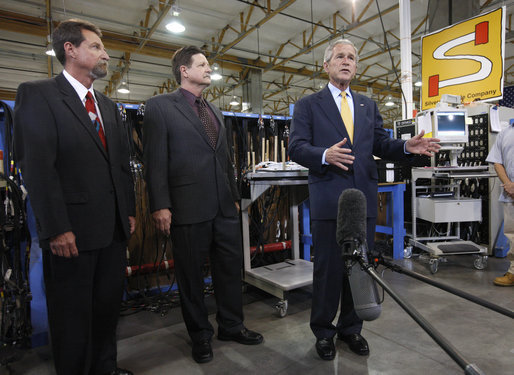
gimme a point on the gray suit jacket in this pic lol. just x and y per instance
(183, 171)
(74, 184)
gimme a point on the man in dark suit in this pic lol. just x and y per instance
(192, 191)
(70, 145)
(335, 133)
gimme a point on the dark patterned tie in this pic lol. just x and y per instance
(91, 111)
(206, 120)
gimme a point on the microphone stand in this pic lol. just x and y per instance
(447, 288)
(359, 254)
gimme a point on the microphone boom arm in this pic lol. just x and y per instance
(448, 288)
(469, 368)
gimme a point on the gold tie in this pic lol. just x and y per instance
(346, 115)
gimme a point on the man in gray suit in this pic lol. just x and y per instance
(73, 153)
(193, 197)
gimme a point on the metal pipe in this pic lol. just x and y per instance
(449, 289)
(406, 59)
(469, 368)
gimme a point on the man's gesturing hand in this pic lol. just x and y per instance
(339, 156)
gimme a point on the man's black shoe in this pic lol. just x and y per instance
(326, 349)
(356, 343)
(245, 337)
(202, 351)
(120, 371)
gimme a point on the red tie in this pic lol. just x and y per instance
(91, 111)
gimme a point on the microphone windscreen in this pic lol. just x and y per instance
(364, 294)
(351, 216)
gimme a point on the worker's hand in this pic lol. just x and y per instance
(422, 146)
(162, 220)
(63, 245)
(509, 188)
(132, 224)
(339, 156)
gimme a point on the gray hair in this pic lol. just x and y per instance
(330, 49)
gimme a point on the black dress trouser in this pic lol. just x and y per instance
(83, 300)
(330, 285)
(219, 240)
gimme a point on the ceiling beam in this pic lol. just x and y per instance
(245, 31)
(321, 42)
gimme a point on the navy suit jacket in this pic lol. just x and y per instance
(316, 126)
(74, 184)
(184, 173)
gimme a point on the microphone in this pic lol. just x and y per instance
(351, 237)
(351, 217)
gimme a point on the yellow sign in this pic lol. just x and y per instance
(465, 59)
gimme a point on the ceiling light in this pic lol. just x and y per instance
(418, 84)
(123, 89)
(389, 102)
(175, 26)
(234, 100)
(216, 76)
(50, 51)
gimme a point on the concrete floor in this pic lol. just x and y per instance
(153, 345)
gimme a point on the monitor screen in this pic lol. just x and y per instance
(451, 126)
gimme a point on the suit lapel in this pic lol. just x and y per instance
(327, 104)
(72, 101)
(359, 108)
(184, 107)
(107, 118)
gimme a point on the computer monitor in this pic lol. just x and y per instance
(450, 126)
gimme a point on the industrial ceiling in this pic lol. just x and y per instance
(285, 39)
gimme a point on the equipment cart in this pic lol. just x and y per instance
(444, 204)
(279, 278)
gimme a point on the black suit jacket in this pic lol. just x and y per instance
(74, 184)
(316, 126)
(183, 171)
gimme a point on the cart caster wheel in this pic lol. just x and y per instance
(434, 265)
(281, 307)
(407, 252)
(480, 262)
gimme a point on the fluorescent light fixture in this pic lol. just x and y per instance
(123, 89)
(234, 101)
